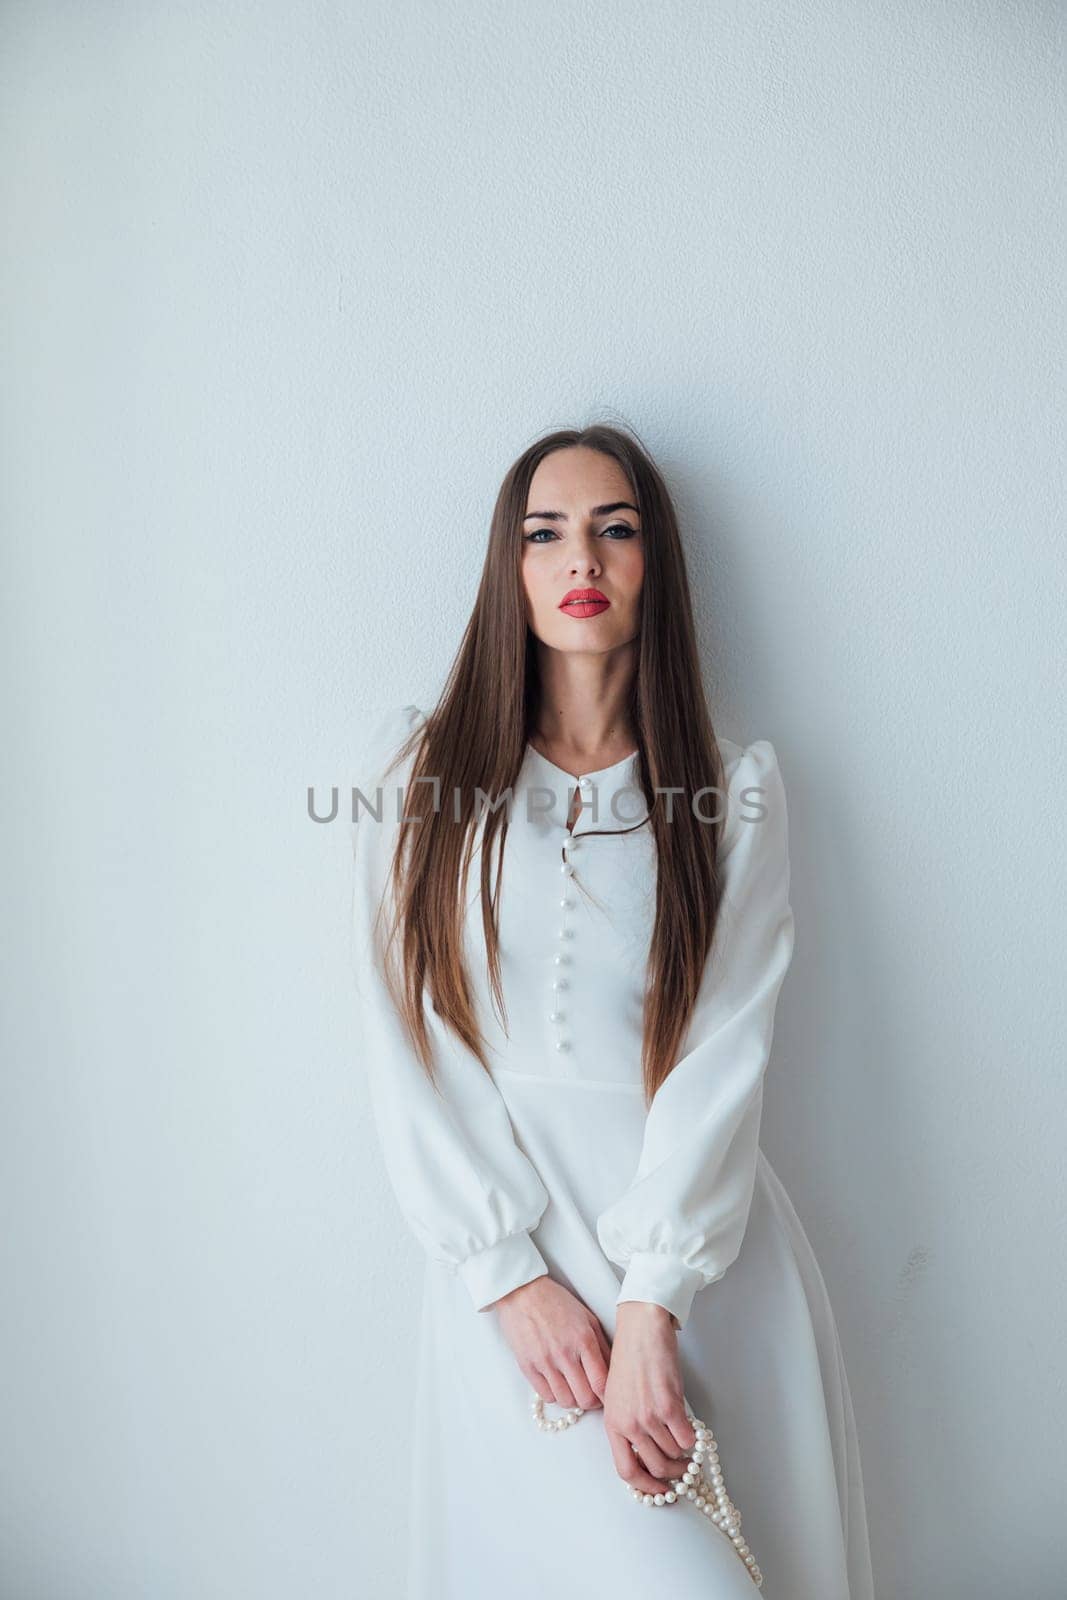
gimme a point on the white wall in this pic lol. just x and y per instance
(285, 288)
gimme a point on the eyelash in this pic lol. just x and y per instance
(620, 527)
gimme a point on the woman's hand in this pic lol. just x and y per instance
(560, 1345)
(644, 1404)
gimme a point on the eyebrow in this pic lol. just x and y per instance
(597, 511)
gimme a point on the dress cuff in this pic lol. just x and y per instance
(663, 1279)
(491, 1273)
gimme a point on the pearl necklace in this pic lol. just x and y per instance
(708, 1495)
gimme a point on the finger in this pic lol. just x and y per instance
(605, 1343)
(661, 1434)
(575, 1374)
(680, 1429)
(627, 1465)
(561, 1389)
(537, 1380)
(596, 1370)
(659, 1465)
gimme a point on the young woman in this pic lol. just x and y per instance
(573, 922)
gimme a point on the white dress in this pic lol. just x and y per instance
(551, 1164)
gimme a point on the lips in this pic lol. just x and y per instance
(584, 603)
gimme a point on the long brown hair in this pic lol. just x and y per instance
(476, 737)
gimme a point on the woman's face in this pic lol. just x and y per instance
(582, 532)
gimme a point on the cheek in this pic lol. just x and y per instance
(630, 571)
(536, 584)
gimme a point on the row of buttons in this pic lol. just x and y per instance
(562, 958)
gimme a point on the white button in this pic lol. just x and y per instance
(556, 1016)
(559, 983)
(585, 783)
(566, 933)
(561, 960)
(563, 1044)
(565, 902)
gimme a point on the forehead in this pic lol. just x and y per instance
(576, 478)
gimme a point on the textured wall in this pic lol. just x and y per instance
(284, 290)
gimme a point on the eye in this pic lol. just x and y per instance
(543, 535)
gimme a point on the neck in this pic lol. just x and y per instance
(584, 705)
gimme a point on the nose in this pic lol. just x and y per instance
(585, 560)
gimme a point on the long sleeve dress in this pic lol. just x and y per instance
(550, 1163)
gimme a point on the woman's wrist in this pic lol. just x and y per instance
(648, 1310)
(519, 1292)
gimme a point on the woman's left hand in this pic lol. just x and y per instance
(644, 1401)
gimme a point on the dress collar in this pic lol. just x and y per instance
(613, 796)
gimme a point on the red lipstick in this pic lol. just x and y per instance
(584, 603)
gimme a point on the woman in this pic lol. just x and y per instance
(569, 952)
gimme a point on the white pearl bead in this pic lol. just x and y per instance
(555, 1016)
(565, 933)
(565, 903)
(562, 1044)
(566, 869)
(559, 983)
(561, 960)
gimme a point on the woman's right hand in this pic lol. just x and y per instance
(559, 1344)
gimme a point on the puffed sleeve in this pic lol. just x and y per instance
(467, 1192)
(681, 1222)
